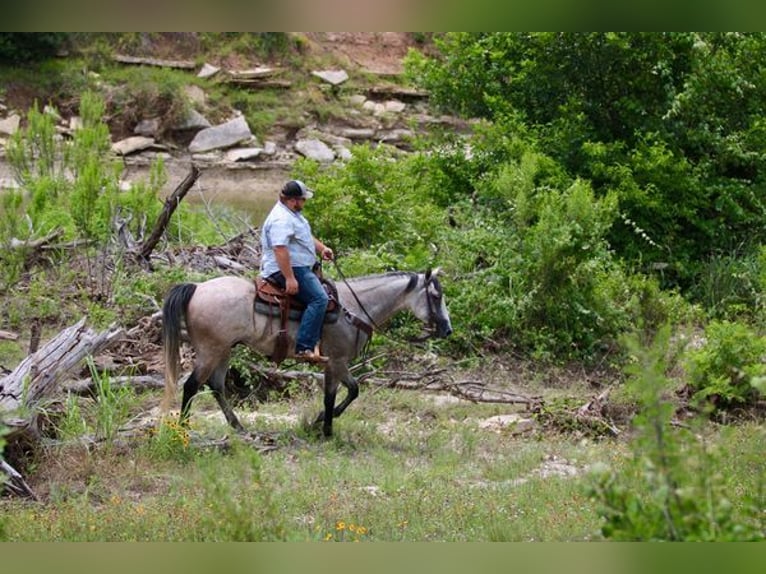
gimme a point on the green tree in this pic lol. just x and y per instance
(670, 122)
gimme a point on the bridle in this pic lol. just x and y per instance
(368, 328)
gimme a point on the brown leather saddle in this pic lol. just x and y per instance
(270, 299)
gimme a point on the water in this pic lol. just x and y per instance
(249, 189)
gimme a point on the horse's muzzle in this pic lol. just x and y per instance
(443, 329)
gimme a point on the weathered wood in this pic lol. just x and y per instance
(171, 203)
(182, 64)
(8, 336)
(260, 84)
(36, 381)
(254, 73)
(37, 377)
(139, 383)
(35, 244)
(15, 483)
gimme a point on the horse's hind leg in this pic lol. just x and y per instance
(353, 391)
(217, 383)
(199, 375)
(191, 386)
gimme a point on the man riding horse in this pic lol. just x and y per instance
(288, 259)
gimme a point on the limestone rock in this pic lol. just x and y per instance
(10, 125)
(315, 149)
(132, 144)
(332, 77)
(221, 136)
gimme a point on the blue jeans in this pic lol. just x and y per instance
(312, 294)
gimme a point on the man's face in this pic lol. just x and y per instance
(296, 203)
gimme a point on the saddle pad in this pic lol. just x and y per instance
(295, 314)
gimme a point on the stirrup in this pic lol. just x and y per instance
(310, 356)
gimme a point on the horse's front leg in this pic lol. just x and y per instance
(330, 391)
(330, 394)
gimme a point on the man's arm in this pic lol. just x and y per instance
(325, 252)
(282, 255)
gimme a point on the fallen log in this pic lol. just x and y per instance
(180, 64)
(88, 387)
(35, 383)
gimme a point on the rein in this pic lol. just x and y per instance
(358, 302)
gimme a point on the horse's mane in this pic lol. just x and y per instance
(413, 277)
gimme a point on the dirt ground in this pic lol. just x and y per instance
(376, 52)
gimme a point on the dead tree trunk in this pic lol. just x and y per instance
(37, 380)
(167, 211)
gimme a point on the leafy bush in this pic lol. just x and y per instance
(545, 281)
(18, 47)
(728, 369)
(733, 285)
(374, 203)
(670, 123)
(672, 490)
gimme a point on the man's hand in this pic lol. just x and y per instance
(291, 286)
(327, 254)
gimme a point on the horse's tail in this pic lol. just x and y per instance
(173, 315)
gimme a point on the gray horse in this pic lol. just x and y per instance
(221, 313)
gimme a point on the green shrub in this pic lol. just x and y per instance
(729, 367)
(25, 47)
(672, 489)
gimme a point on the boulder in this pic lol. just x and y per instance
(315, 149)
(332, 77)
(242, 154)
(132, 144)
(10, 125)
(221, 136)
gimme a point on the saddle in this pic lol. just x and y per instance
(271, 299)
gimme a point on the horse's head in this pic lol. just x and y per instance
(429, 305)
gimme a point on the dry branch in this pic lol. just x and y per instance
(87, 387)
(439, 380)
(15, 483)
(167, 211)
(35, 244)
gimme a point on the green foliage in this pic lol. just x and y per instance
(145, 92)
(26, 47)
(242, 507)
(669, 122)
(729, 367)
(11, 258)
(373, 203)
(112, 403)
(673, 490)
(546, 279)
(733, 285)
(263, 44)
(169, 441)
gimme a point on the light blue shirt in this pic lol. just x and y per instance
(285, 227)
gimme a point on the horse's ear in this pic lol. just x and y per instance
(428, 275)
